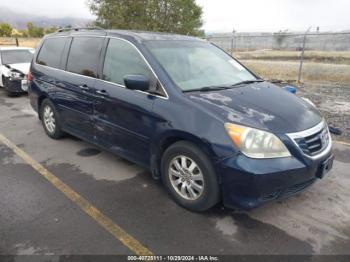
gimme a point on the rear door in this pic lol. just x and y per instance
(75, 87)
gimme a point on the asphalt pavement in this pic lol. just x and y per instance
(125, 209)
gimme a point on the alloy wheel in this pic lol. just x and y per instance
(49, 119)
(186, 177)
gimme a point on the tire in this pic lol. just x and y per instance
(50, 120)
(185, 184)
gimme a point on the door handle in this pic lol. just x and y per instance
(84, 87)
(102, 92)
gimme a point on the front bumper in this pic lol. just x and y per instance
(16, 85)
(249, 183)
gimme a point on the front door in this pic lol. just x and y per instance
(124, 118)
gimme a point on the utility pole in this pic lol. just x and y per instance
(302, 54)
(232, 41)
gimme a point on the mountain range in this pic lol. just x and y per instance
(19, 20)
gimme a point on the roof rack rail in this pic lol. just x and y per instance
(67, 29)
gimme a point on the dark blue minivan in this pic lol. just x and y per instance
(199, 120)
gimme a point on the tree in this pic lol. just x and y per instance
(51, 30)
(174, 16)
(23, 32)
(34, 31)
(5, 30)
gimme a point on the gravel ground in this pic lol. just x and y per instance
(333, 102)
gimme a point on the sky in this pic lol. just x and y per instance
(50, 8)
(275, 15)
(226, 15)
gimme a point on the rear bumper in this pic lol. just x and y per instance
(249, 183)
(33, 95)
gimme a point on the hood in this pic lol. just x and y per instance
(22, 67)
(259, 105)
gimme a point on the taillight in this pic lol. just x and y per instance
(30, 76)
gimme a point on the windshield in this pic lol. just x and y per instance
(16, 56)
(194, 65)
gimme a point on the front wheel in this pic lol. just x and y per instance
(50, 120)
(189, 177)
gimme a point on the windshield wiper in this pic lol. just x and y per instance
(247, 82)
(223, 87)
(207, 89)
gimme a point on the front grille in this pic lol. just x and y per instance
(315, 143)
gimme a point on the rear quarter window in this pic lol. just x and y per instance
(51, 52)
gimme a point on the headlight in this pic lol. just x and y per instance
(255, 143)
(13, 74)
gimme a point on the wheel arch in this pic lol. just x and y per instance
(40, 101)
(162, 143)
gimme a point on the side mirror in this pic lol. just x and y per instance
(137, 82)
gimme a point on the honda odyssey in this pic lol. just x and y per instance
(198, 119)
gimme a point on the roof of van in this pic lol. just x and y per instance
(144, 35)
(137, 35)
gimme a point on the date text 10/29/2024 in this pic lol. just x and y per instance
(173, 258)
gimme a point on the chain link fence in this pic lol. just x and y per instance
(290, 57)
(293, 57)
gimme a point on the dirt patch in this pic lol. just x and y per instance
(310, 56)
(312, 72)
(22, 41)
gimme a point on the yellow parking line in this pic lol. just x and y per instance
(342, 143)
(119, 233)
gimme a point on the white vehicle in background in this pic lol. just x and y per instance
(14, 68)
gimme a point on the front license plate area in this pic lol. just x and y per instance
(325, 167)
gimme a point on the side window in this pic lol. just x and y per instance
(123, 59)
(84, 56)
(51, 52)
